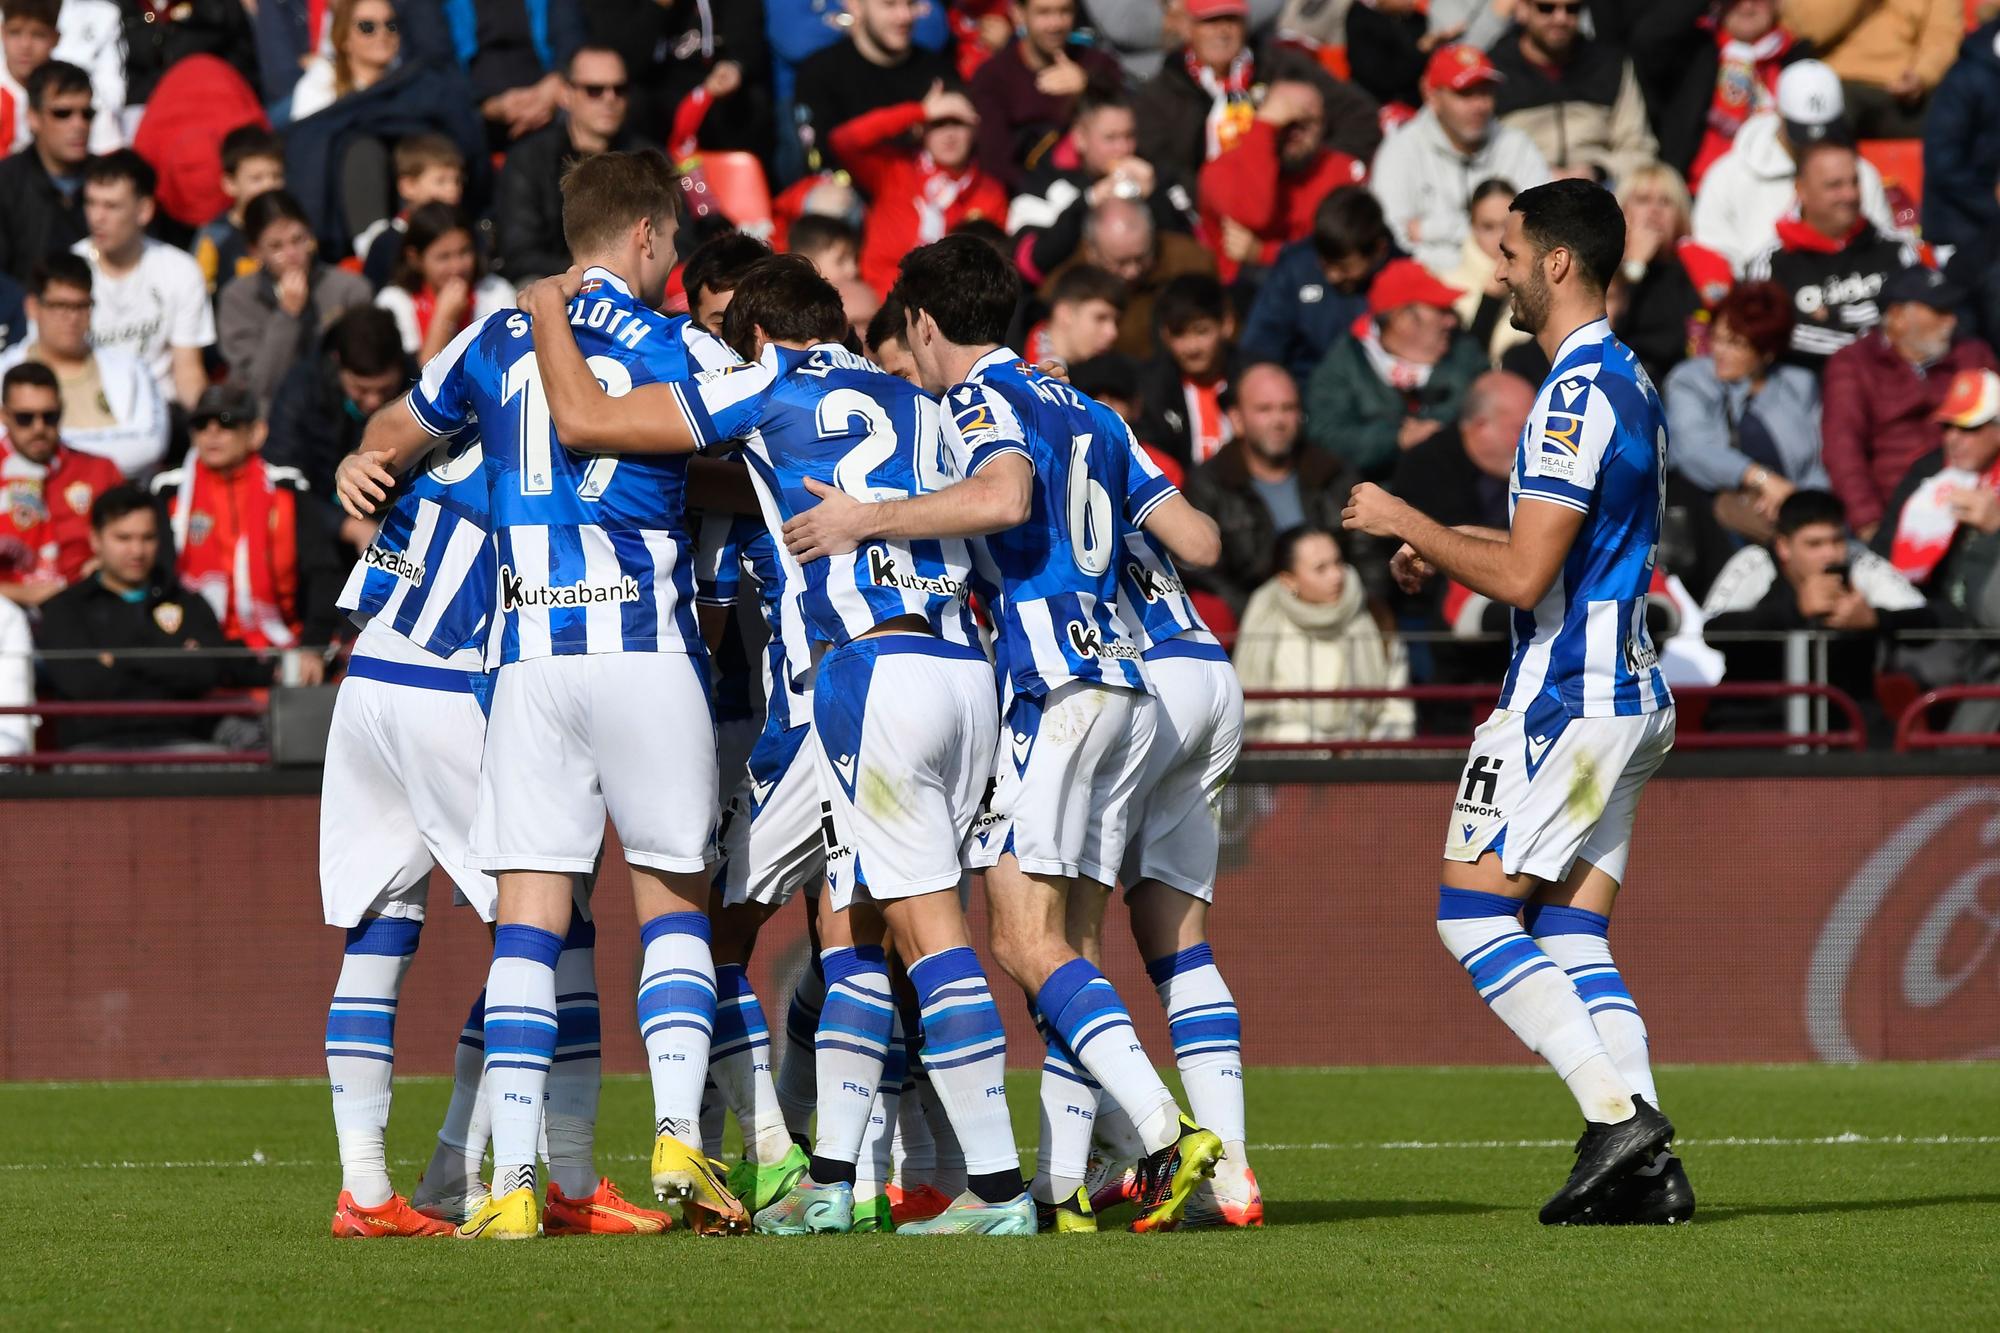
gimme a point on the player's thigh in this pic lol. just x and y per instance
(372, 856)
(771, 839)
(440, 738)
(654, 740)
(1609, 845)
(1165, 920)
(540, 807)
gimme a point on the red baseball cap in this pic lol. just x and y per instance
(1459, 68)
(1972, 400)
(1218, 9)
(1406, 282)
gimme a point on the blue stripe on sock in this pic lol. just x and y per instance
(384, 936)
(1187, 960)
(1471, 904)
(530, 942)
(582, 932)
(1569, 921)
(1543, 966)
(676, 923)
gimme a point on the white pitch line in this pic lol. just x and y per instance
(1849, 1140)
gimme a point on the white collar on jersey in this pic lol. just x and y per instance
(599, 273)
(999, 356)
(1594, 332)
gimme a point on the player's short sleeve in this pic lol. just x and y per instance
(725, 402)
(442, 400)
(1146, 487)
(983, 426)
(705, 351)
(1565, 443)
(718, 566)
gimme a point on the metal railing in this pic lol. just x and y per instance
(1913, 728)
(164, 756)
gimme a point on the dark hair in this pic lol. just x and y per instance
(429, 224)
(1581, 217)
(122, 164)
(786, 297)
(1087, 282)
(719, 264)
(1190, 297)
(418, 153)
(44, 12)
(65, 268)
(1807, 152)
(1805, 509)
(590, 49)
(1491, 187)
(31, 373)
(606, 194)
(122, 499)
(1110, 375)
(988, 231)
(816, 233)
(365, 341)
(964, 286)
(248, 141)
(1761, 314)
(1095, 98)
(54, 79)
(270, 207)
(888, 326)
(1347, 223)
(1286, 551)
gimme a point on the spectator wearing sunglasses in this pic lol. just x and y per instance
(367, 43)
(529, 205)
(48, 487)
(111, 404)
(1575, 96)
(43, 183)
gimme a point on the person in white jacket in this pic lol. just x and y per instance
(114, 407)
(1425, 172)
(1749, 188)
(17, 679)
(90, 34)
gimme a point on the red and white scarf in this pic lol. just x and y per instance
(1399, 373)
(1230, 107)
(941, 190)
(1925, 528)
(237, 542)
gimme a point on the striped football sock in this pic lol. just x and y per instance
(461, 1141)
(1084, 1010)
(797, 1080)
(677, 1018)
(1208, 1043)
(361, 1049)
(850, 1048)
(1069, 1109)
(965, 1054)
(1533, 997)
(740, 1064)
(875, 1167)
(520, 1047)
(1579, 942)
(576, 1071)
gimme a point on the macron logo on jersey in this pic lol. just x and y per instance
(517, 595)
(882, 572)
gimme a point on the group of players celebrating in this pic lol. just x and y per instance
(532, 659)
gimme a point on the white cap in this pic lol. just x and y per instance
(1809, 96)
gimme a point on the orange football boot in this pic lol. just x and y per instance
(395, 1218)
(603, 1213)
(917, 1205)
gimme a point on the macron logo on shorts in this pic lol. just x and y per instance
(517, 595)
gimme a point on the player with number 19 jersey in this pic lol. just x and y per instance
(600, 665)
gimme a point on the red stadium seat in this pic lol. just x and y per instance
(736, 185)
(1901, 162)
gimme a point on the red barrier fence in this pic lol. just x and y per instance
(1766, 919)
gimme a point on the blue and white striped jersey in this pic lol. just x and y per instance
(429, 572)
(839, 419)
(1597, 442)
(733, 545)
(1151, 595)
(593, 550)
(1056, 573)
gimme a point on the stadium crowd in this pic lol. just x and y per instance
(1263, 231)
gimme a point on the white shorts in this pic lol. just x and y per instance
(1548, 801)
(905, 725)
(1174, 838)
(773, 836)
(575, 738)
(1066, 770)
(400, 786)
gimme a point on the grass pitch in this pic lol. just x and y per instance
(1831, 1197)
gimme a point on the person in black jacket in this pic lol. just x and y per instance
(43, 183)
(1388, 45)
(1676, 48)
(672, 46)
(876, 64)
(529, 208)
(323, 405)
(127, 605)
(1962, 146)
(156, 37)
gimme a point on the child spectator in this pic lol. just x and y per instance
(830, 243)
(441, 284)
(915, 198)
(46, 490)
(28, 34)
(253, 161)
(263, 561)
(1085, 305)
(1184, 391)
(1310, 628)
(272, 317)
(429, 170)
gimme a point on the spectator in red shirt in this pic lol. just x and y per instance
(47, 487)
(1260, 194)
(916, 197)
(1026, 94)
